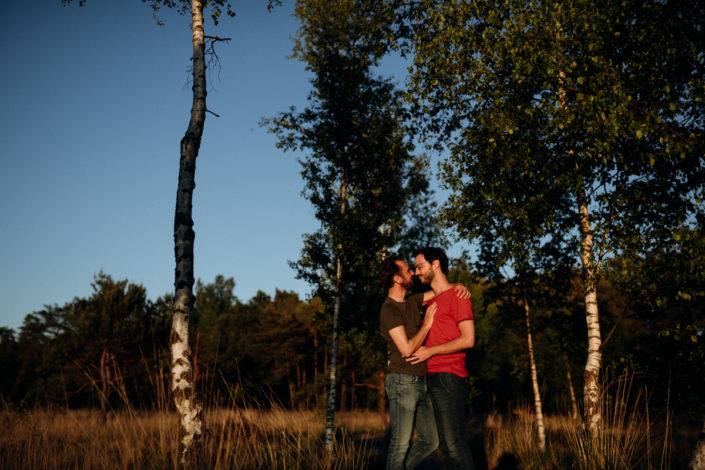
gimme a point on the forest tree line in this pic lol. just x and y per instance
(110, 349)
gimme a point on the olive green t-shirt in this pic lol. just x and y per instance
(408, 315)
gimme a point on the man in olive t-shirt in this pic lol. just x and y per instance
(404, 330)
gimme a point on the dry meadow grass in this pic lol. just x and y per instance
(236, 439)
(276, 438)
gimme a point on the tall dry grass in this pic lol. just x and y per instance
(236, 439)
(627, 439)
(276, 438)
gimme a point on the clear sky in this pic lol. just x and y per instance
(95, 102)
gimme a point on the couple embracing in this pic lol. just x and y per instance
(427, 380)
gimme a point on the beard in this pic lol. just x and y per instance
(427, 277)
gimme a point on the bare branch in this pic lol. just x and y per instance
(619, 320)
(213, 60)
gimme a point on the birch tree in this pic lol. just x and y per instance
(538, 405)
(359, 172)
(586, 115)
(187, 404)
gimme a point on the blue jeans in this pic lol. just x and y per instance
(409, 406)
(449, 392)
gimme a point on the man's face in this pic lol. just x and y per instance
(423, 270)
(404, 272)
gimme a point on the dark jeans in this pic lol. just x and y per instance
(449, 392)
(409, 406)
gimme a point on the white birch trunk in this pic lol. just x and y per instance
(538, 408)
(189, 409)
(332, 381)
(330, 408)
(591, 386)
(697, 462)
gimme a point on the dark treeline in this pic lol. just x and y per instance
(110, 350)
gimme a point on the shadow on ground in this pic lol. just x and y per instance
(379, 443)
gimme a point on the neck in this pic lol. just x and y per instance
(440, 283)
(397, 292)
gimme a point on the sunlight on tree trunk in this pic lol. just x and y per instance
(591, 385)
(189, 409)
(534, 379)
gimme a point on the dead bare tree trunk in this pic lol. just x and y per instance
(188, 406)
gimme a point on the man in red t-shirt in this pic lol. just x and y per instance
(404, 330)
(452, 332)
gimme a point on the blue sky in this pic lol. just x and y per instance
(95, 103)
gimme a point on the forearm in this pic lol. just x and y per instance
(466, 340)
(418, 339)
(463, 292)
(458, 344)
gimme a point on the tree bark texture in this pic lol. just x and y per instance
(332, 381)
(330, 408)
(538, 408)
(591, 386)
(188, 407)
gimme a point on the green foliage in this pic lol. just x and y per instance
(276, 347)
(265, 346)
(368, 190)
(536, 102)
(571, 128)
(62, 349)
(665, 340)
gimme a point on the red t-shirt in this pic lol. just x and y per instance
(451, 311)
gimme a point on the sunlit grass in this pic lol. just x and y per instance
(627, 439)
(236, 439)
(272, 437)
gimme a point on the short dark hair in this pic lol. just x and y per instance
(432, 253)
(388, 269)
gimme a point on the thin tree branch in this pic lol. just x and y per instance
(619, 320)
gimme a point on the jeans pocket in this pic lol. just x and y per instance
(406, 379)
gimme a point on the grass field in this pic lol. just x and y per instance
(282, 439)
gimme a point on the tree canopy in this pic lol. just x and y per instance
(573, 126)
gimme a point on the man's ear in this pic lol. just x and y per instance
(436, 264)
(396, 279)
